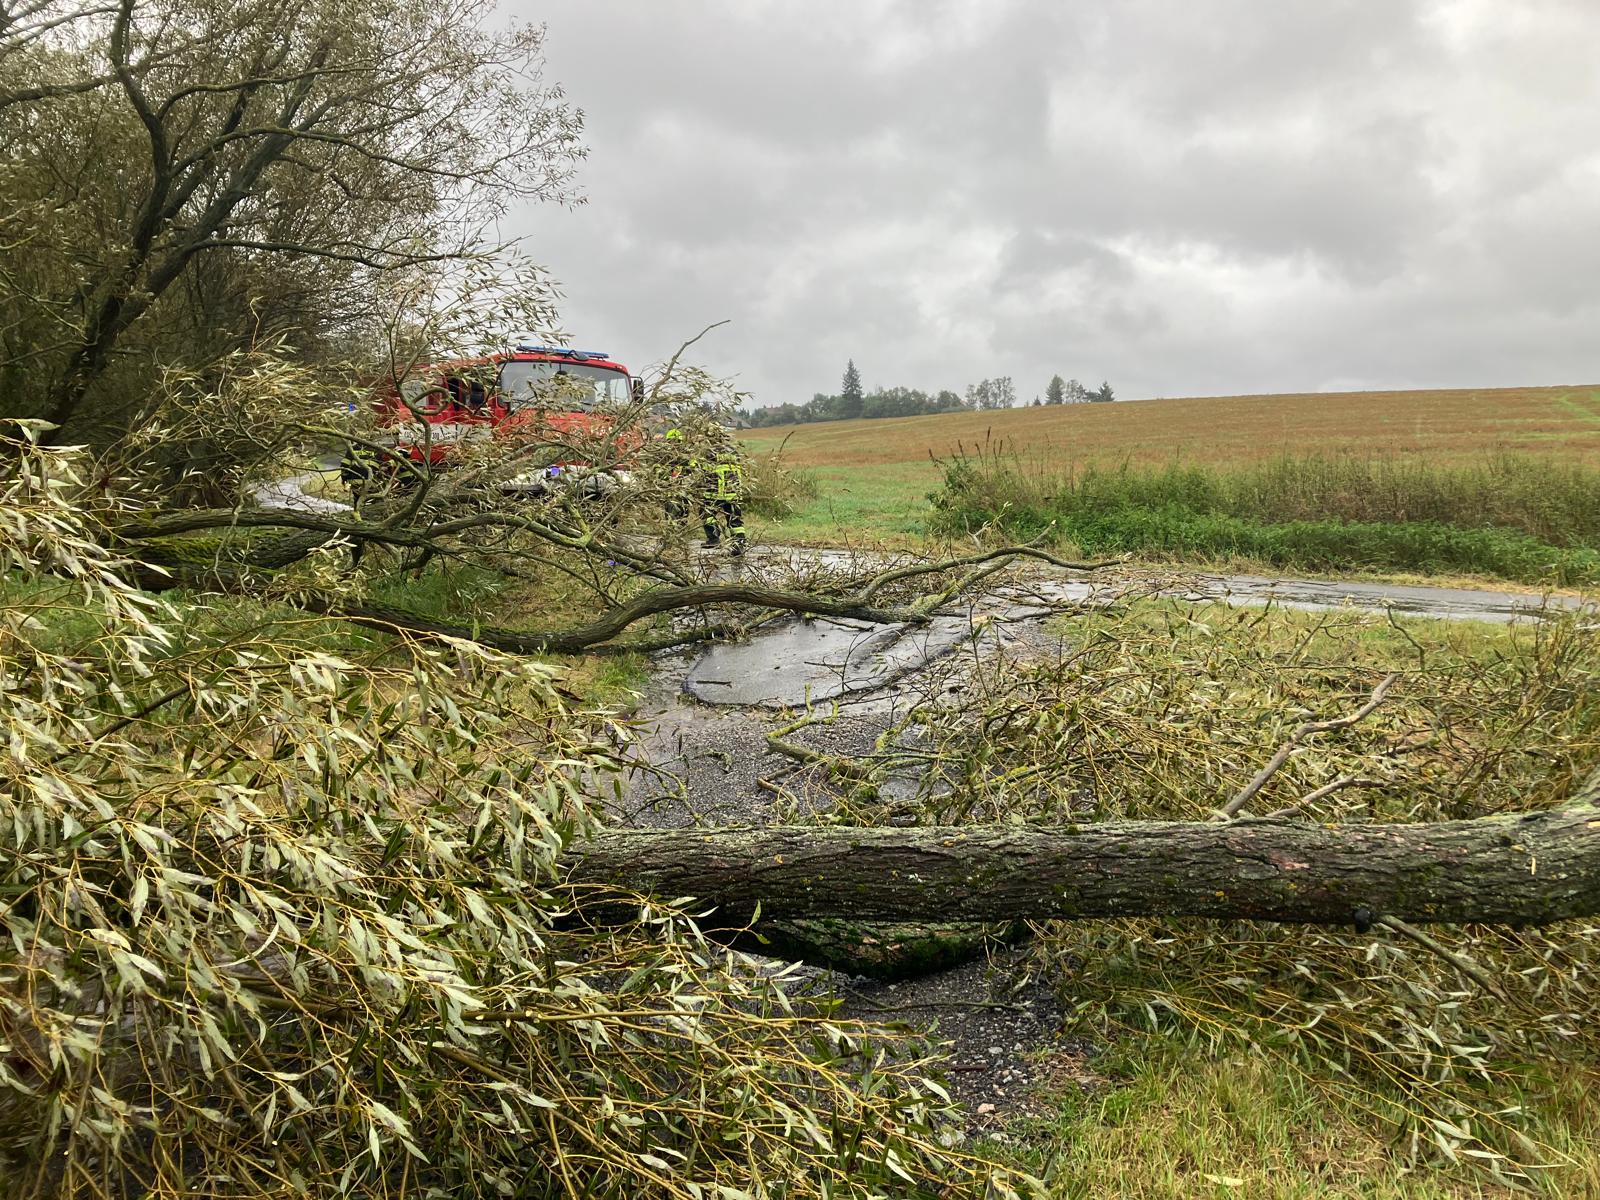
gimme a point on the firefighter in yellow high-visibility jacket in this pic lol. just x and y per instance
(719, 480)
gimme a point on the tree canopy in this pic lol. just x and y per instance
(189, 181)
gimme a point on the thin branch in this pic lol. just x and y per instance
(365, 256)
(666, 371)
(1006, 552)
(838, 764)
(123, 722)
(249, 83)
(55, 91)
(609, 624)
(1251, 789)
(1322, 793)
(706, 633)
(1459, 961)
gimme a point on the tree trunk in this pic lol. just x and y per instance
(1523, 869)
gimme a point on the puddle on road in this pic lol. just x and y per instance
(801, 661)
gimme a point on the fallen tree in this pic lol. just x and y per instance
(1525, 869)
(161, 559)
(280, 905)
(243, 852)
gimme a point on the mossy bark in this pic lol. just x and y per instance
(1525, 869)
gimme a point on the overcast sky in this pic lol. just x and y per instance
(1185, 197)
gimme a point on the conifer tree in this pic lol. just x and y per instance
(850, 395)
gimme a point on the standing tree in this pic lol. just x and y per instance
(1056, 392)
(1105, 395)
(992, 393)
(850, 394)
(191, 179)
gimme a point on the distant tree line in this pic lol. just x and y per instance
(883, 402)
(992, 393)
(853, 403)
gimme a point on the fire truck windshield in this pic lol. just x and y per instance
(561, 385)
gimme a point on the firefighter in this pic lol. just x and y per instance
(719, 479)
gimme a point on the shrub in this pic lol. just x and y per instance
(1518, 518)
(772, 489)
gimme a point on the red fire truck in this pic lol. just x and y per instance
(549, 390)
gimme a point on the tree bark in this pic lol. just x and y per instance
(1522, 869)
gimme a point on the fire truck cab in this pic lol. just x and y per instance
(529, 387)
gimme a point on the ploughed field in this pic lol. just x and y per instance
(1219, 430)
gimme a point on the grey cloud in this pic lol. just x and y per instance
(1216, 195)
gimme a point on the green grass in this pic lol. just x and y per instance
(1519, 518)
(887, 502)
(1332, 546)
(1587, 409)
(1159, 1117)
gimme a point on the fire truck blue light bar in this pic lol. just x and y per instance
(580, 355)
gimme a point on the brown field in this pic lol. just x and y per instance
(1220, 429)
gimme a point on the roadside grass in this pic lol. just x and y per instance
(887, 503)
(1327, 547)
(1525, 518)
(1167, 1118)
(1554, 501)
